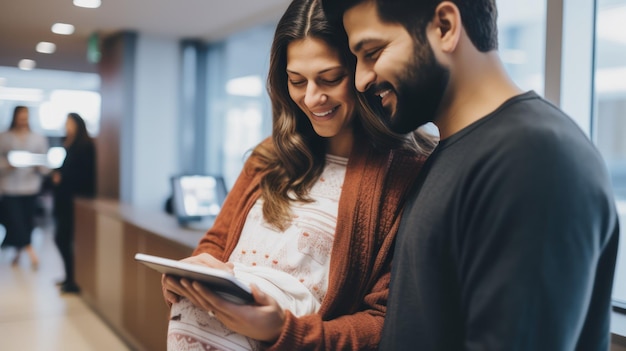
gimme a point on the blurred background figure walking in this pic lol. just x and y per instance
(75, 177)
(22, 167)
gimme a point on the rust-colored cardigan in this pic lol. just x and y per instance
(352, 313)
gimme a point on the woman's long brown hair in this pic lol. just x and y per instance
(16, 111)
(295, 158)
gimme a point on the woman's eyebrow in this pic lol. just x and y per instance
(320, 72)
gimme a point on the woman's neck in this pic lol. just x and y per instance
(341, 144)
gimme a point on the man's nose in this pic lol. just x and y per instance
(364, 77)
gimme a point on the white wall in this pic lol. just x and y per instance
(155, 127)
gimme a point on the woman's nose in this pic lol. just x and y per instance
(314, 96)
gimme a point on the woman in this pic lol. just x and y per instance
(318, 204)
(75, 177)
(20, 184)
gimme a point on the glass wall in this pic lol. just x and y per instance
(238, 105)
(50, 96)
(522, 42)
(521, 29)
(609, 117)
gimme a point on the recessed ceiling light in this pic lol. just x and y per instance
(90, 4)
(26, 64)
(45, 47)
(62, 28)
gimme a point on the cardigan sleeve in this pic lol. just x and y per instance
(357, 331)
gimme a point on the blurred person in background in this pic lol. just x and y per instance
(20, 183)
(75, 177)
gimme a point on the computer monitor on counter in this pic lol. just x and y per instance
(197, 197)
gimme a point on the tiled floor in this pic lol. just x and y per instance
(34, 316)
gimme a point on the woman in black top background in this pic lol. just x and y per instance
(75, 177)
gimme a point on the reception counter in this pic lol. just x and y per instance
(125, 293)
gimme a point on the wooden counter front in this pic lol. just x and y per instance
(125, 293)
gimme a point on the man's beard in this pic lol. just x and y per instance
(419, 92)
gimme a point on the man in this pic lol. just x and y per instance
(510, 238)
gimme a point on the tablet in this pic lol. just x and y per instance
(219, 281)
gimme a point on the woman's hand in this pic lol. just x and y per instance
(263, 320)
(173, 290)
(204, 259)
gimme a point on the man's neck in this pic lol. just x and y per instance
(479, 85)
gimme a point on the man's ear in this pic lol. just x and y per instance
(447, 26)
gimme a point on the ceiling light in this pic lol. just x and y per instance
(26, 64)
(62, 28)
(45, 47)
(90, 4)
(3, 81)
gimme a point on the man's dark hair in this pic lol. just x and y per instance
(479, 17)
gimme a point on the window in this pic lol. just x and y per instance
(522, 27)
(609, 117)
(590, 87)
(53, 112)
(50, 96)
(238, 105)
